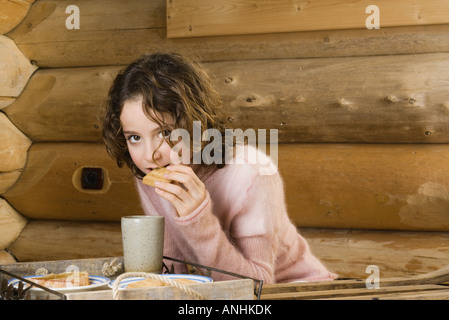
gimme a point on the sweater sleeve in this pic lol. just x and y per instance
(249, 246)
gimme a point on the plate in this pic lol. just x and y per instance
(125, 282)
(95, 282)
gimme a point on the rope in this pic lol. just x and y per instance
(173, 283)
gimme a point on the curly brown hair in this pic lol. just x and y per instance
(168, 83)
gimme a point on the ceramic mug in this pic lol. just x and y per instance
(143, 243)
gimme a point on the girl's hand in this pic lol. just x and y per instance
(185, 195)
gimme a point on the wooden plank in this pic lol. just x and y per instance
(60, 240)
(415, 295)
(109, 39)
(11, 224)
(50, 185)
(349, 293)
(361, 186)
(12, 13)
(385, 99)
(195, 18)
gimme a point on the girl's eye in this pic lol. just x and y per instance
(133, 138)
(164, 134)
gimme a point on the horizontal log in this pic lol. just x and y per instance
(398, 187)
(50, 185)
(68, 98)
(12, 13)
(105, 38)
(61, 240)
(402, 187)
(11, 224)
(194, 18)
(385, 99)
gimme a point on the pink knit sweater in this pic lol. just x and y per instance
(242, 226)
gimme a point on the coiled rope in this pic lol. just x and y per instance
(173, 283)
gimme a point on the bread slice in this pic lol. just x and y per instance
(156, 175)
(63, 280)
(185, 281)
(147, 283)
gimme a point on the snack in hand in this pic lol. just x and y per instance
(156, 175)
(63, 280)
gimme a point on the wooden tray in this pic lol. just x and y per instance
(241, 289)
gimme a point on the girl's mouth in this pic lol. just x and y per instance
(151, 169)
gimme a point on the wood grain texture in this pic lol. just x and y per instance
(220, 290)
(63, 104)
(11, 224)
(13, 11)
(48, 188)
(116, 32)
(14, 146)
(348, 252)
(15, 69)
(393, 187)
(59, 240)
(6, 258)
(195, 18)
(383, 99)
(8, 179)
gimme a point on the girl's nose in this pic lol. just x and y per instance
(150, 150)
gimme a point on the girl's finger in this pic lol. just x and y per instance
(182, 173)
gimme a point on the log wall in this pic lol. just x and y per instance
(362, 117)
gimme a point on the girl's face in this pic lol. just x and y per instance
(143, 136)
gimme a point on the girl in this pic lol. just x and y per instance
(229, 216)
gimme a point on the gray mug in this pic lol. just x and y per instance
(143, 243)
